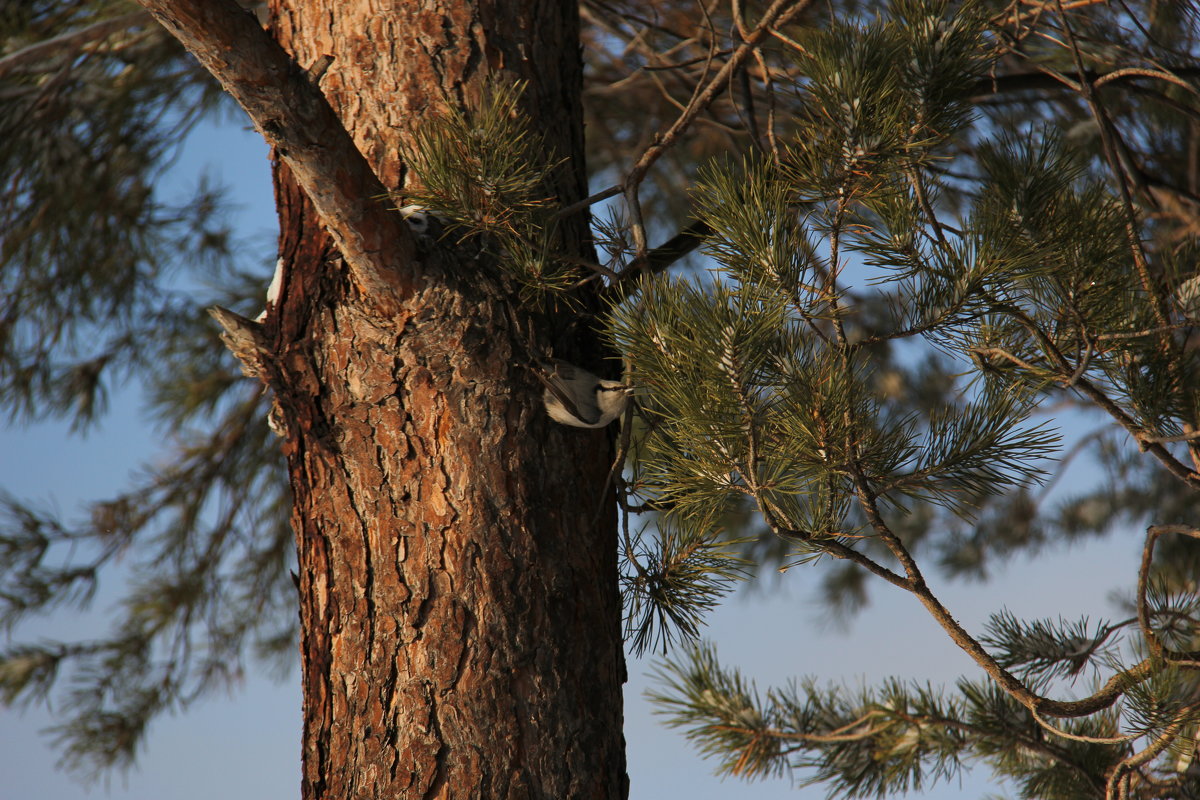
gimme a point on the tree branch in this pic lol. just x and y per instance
(72, 40)
(298, 122)
(654, 261)
(1040, 81)
(1124, 769)
(1117, 685)
(839, 550)
(1143, 613)
(1145, 442)
(778, 14)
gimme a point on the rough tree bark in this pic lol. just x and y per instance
(458, 593)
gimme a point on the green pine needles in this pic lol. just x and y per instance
(491, 178)
(761, 384)
(771, 390)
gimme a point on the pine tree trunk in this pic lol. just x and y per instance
(458, 594)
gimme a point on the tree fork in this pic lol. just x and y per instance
(460, 621)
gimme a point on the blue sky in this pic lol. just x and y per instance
(246, 745)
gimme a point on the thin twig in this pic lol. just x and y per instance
(1064, 461)
(1103, 337)
(585, 263)
(1076, 737)
(1119, 779)
(691, 62)
(769, 90)
(1182, 437)
(792, 43)
(1130, 72)
(1159, 304)
(618, 464)
(751, 116)
(1040, 8)
(990, 352)
(590, 200)
(777, 14)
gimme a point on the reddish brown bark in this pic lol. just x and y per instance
(458, 600)
(459, 609)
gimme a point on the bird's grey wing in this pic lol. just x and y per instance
(554, 376)
(585, 407)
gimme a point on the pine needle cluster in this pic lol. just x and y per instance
(763, 383)
(490, 177)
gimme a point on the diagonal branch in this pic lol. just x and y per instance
(298, 122)
(1144, 441)
(1104, 124)
(915, 583)
(1038, 81)
(659, 258)
(72, 41)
